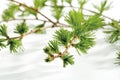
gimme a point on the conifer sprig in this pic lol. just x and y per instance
(3, 30)
(10, 12)
(103, 6)
(79, 35)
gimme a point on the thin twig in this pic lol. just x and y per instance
(66, 48)
(17, 19)
(98, 13)
(83, 9)
(28, 33)
(36, 10)
(71, 43)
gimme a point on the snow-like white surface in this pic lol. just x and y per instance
(98, 64)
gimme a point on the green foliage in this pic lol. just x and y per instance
(21, 28)
(52, 48)
(82, 42)
(85, 43)
(78, 23)
(118, 58)
(114, 32)
(9, 13)
(2, 45)
(39, 3)
(74, 18)
(48, 50)
(29, 11)
(67, 59)
(103, 6)
(94, 22)
(81, 25)
(39, 28)
(54, 2)
(40, 25)
(69, 1)
(80, 37)
(3, 30)
(49, 59)
(63, 36)
(14, 44)
(82, 3)
(57, 12)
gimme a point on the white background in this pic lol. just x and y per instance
(98, 64)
